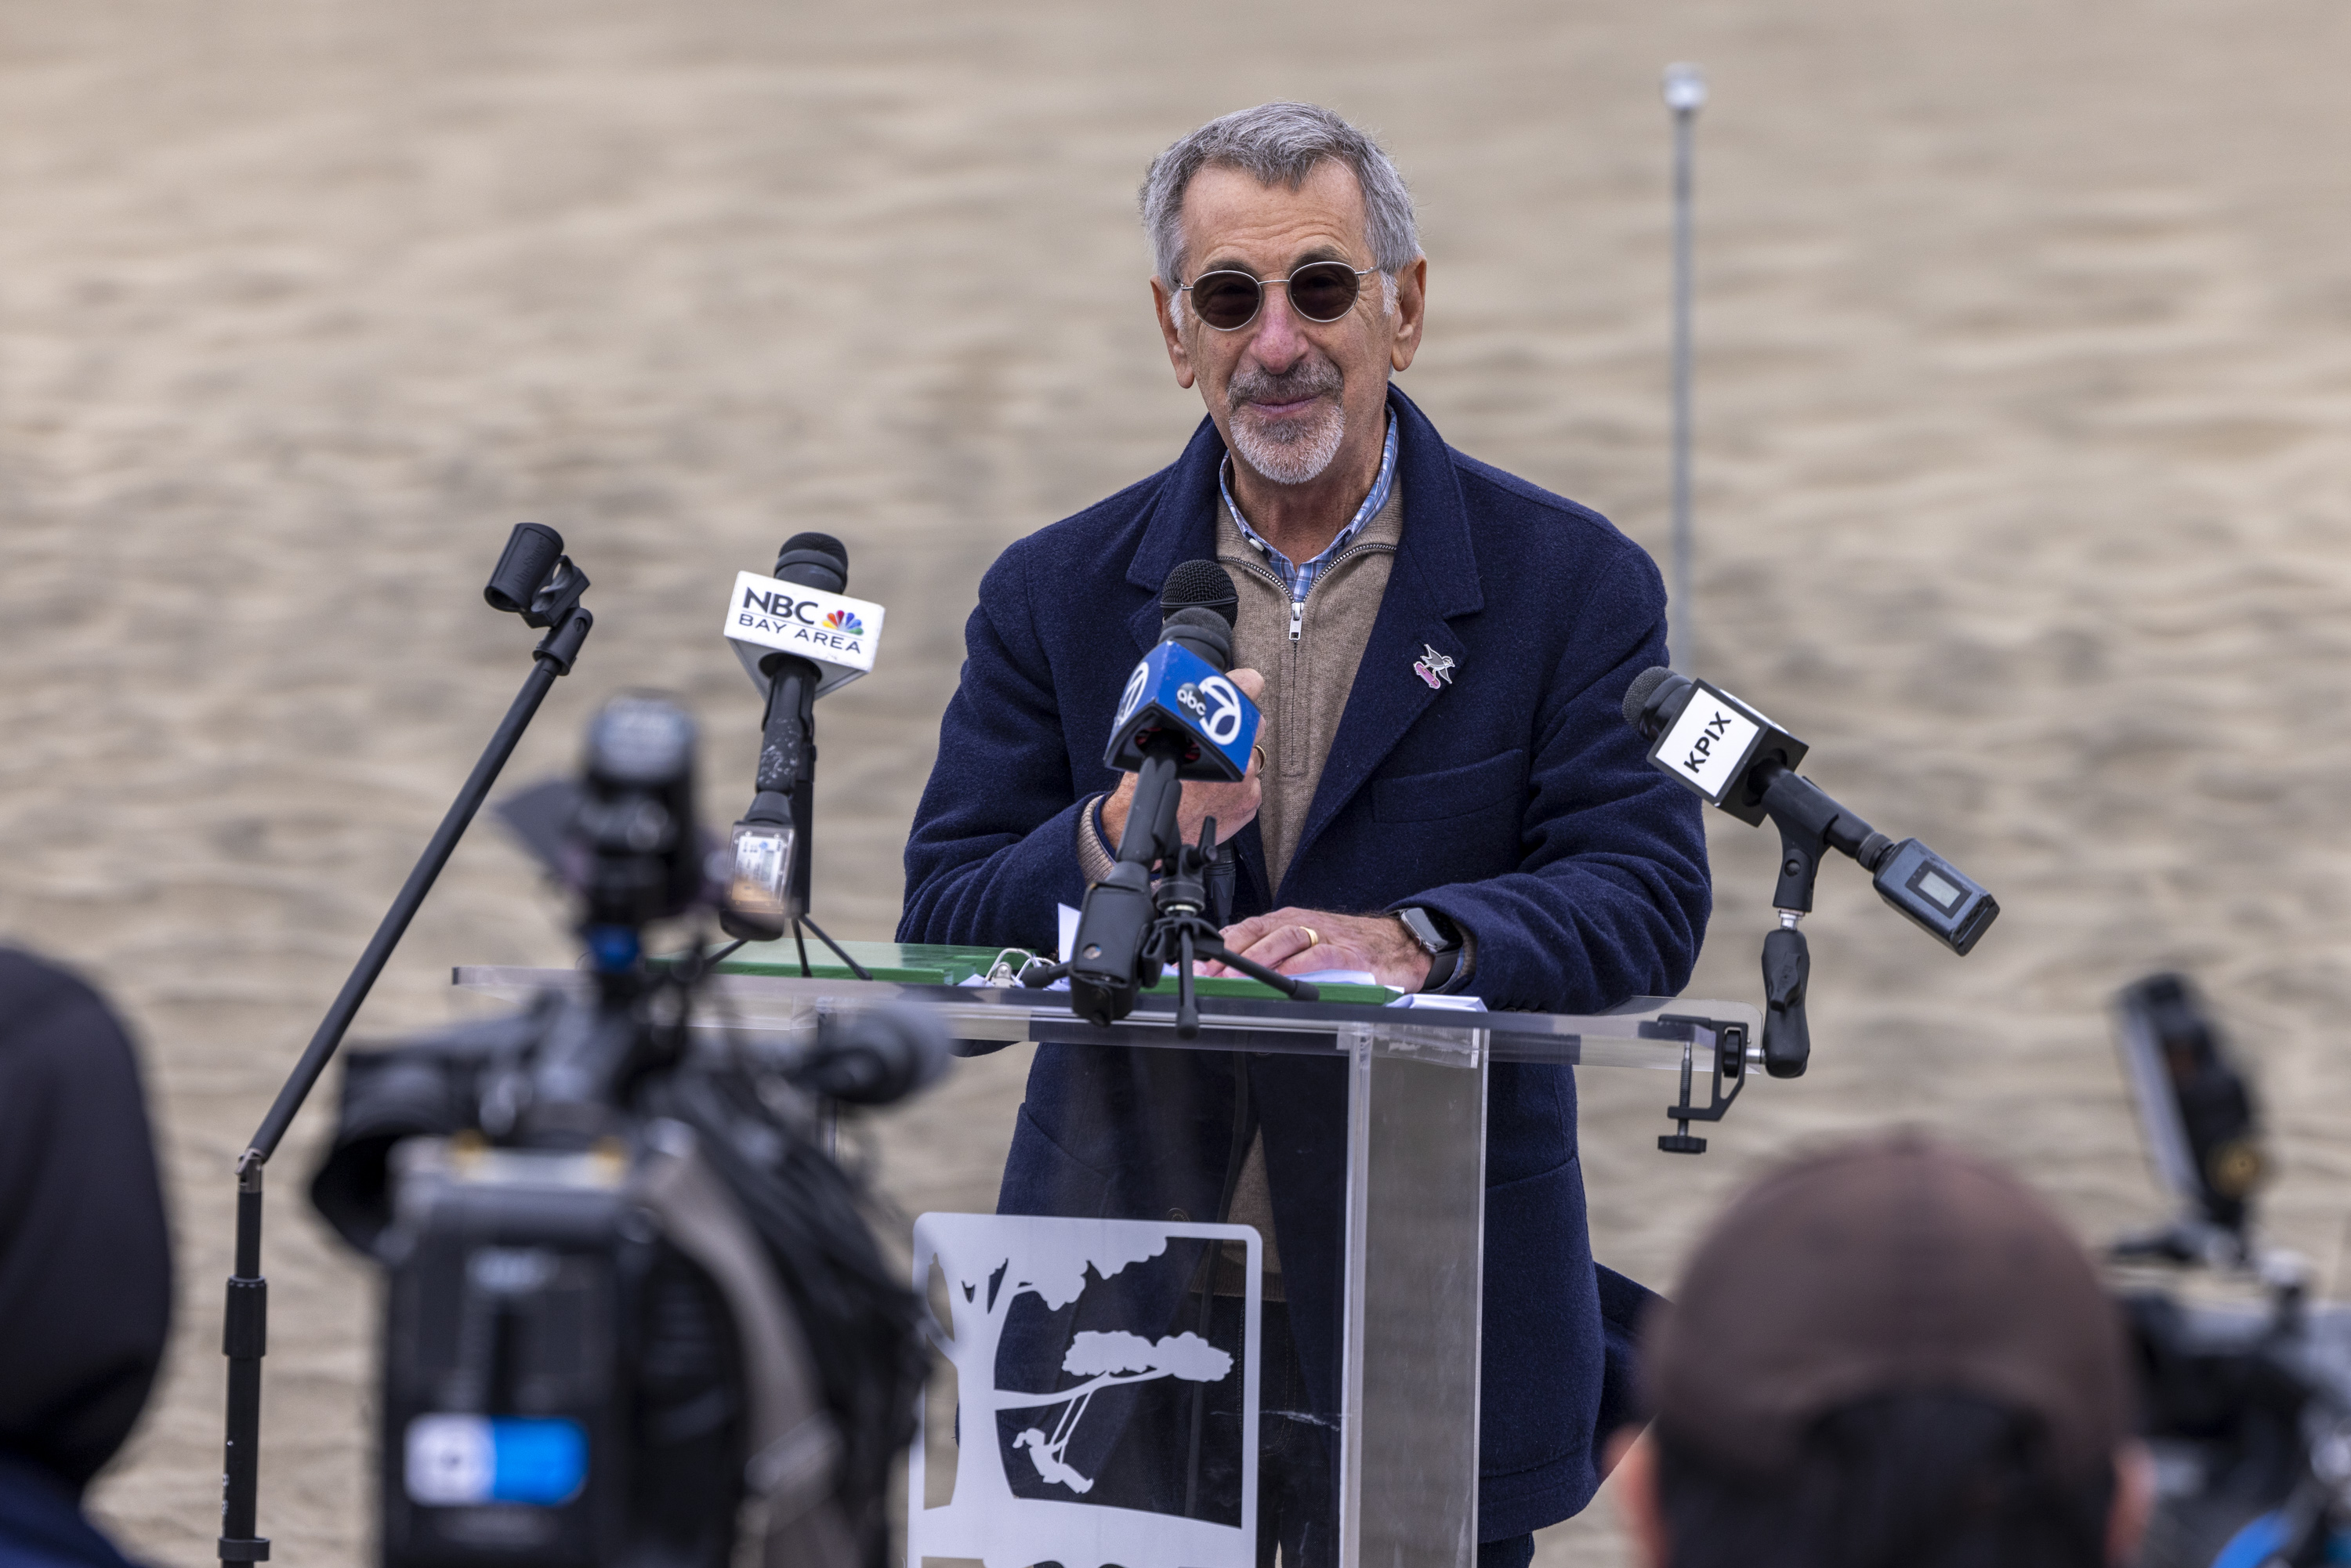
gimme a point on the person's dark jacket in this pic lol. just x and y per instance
(84, 1257)
(1514, 798)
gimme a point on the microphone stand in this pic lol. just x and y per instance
(1811, 824)
(786, 790)
(244, 1329)
(1176, 931)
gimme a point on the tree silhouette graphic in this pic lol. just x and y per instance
(1112, 1358)
(988, 1262)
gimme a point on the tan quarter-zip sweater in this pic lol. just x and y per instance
(1308, 652)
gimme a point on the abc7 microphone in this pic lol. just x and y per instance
(1739, 760)
(1180, 717)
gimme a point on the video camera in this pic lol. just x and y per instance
(2246, 1402)
(634, 1313)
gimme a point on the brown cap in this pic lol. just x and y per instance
(1891, 1267)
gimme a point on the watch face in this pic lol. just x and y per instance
(1424, 930)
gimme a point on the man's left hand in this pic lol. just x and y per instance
(1301, 941)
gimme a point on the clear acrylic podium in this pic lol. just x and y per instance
(1126, 1377)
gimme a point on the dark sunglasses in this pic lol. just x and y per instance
(1319, 291)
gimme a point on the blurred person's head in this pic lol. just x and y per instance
(1890, 1355)
(84, 1258)
(1263, 193)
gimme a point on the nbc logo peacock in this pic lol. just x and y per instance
(845, 622)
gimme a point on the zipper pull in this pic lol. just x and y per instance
(1297, 618)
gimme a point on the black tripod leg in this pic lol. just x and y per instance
(806, 973)
(1289, 986)
(855, 967)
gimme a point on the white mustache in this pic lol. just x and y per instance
(1313, 378)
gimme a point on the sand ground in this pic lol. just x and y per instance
(2024, 496)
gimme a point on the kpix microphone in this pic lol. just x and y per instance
(1180, 717)
(799, 637)
(1736, 758)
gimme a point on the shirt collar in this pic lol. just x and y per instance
(1373, 502)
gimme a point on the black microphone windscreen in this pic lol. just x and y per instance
(1204, 630)
(531, 552)
(814, 560)
(1637, 695)
(1203, 583)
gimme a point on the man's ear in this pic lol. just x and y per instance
(1162, 304)
(1632, 1483)
(1411, 313)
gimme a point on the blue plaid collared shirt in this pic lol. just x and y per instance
(1301, 578)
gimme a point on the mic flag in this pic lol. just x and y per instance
(1175, 689)
(1736, 758)
(837, 634)
(1707, 740)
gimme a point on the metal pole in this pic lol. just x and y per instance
(1685, 95)
(547, 665)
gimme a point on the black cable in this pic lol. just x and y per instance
(861, 1321)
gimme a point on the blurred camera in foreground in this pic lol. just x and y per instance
(635, 1311)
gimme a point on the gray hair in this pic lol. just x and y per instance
(1281, 142)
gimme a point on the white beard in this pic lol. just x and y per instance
(1289, 451)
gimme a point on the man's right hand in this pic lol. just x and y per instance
(1233, 805)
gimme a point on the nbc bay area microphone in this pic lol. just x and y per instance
(1739, 760)
(799, 637)
(1180, 717)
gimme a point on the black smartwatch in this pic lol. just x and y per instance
(1439, 938)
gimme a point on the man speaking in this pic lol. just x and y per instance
(1444, 795)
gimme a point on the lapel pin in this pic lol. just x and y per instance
(1433, 667)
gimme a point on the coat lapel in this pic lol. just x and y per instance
(1434, 582)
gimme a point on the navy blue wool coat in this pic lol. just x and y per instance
(1515, 800)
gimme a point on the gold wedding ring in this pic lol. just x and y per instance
(1257, 755)
(1313, 937)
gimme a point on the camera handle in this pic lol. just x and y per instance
(554, 603)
